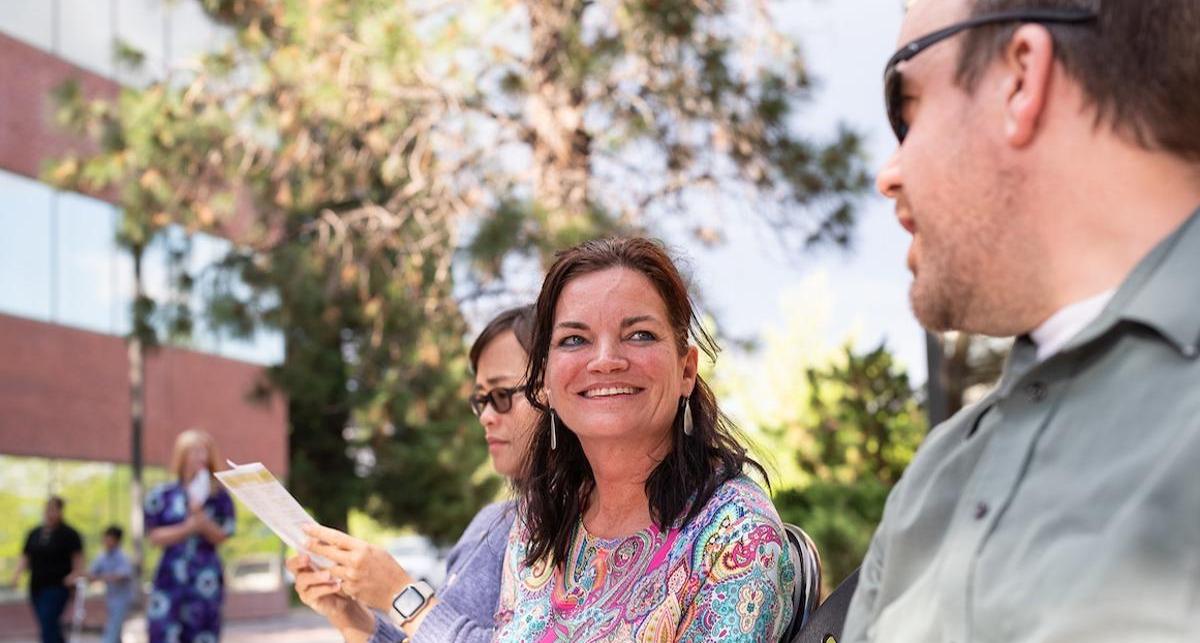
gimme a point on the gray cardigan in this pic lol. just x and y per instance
(467, 600)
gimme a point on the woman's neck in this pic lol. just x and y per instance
(618, 505)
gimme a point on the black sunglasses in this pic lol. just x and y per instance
(500, 399)
(893, 83)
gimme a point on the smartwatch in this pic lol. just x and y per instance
(411, 599)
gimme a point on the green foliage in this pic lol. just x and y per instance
(868, 429)
(839, 517)
(836, 427)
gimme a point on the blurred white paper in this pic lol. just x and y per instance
(254, 486)
(199, 488)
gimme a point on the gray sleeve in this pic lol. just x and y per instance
(863, 609)
(385, 632)
(444, 623)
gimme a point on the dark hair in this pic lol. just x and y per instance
(556, 485)
(57, 501)
(519, 320)
(115, 531)
(1138, 64)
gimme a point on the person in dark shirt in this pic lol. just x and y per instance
(53, 554)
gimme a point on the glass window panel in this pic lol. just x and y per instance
(207, 251)
(85, 29)
(25, 221)
(142, 24)
(156, 277)
(31, 21)
(265, 348)
(122, 280)
(97, 495)
(190, 34)
(85, 289)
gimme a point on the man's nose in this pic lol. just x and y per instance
(887, 181)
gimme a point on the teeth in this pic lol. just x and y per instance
(606, 392)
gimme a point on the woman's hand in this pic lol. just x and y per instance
(366, 572)
(322, 592)
(199, 522)
(172, 534)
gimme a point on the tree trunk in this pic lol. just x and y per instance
(137, 406)
(555, 108)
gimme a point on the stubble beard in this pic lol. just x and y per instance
(981, 282)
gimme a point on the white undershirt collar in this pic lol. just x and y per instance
(1065, 324)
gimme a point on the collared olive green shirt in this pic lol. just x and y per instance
(1064, 506)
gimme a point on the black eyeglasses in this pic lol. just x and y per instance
(893, 83)
(500, 399)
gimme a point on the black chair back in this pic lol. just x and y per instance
(806, 560)
(826, 623)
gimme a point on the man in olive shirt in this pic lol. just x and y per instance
(53, 554)
(1049, 173)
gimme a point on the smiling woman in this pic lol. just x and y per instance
(637, 521)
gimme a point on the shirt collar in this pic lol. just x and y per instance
(1161, 293)
(1055, 332)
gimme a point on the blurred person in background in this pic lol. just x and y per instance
(1048, 169)
(53, 555)
(638, 520)
(114, 569)
(188, 518)
(366, 577)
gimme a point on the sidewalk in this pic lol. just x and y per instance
(300, 625)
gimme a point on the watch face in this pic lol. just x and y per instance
(408, 601)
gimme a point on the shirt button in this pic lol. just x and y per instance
(981, 510)
(1036, 391)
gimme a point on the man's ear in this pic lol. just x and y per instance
(1027, 63)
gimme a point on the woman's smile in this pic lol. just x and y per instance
(610, 391)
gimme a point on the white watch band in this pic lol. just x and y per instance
(409, 602)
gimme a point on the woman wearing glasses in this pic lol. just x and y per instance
(365, 578)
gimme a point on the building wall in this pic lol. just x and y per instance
(27, 76)
(65, 393)
(65, 286)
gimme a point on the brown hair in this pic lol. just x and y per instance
(519, 320)
(557, 483)
(1138, 64)
(187, 440)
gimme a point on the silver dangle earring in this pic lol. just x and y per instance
(553, 432)
(688, 427)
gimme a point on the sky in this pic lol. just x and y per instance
(750, 280)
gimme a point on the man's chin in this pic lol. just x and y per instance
(940, 315)
(930, 310)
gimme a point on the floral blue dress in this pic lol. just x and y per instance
(185, 605)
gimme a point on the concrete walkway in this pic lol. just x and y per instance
(300, 625)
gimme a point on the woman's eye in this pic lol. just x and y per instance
(643, 336)
(570, 340)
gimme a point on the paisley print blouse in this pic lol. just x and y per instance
(725, 575)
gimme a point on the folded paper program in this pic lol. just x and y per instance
(255, 487)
